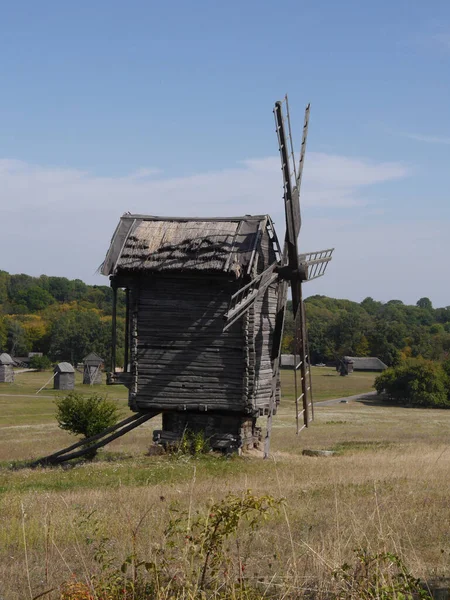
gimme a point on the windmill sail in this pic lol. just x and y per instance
(242, 300)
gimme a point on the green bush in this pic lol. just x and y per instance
(41, 363)
(420, 383)
(86, 415)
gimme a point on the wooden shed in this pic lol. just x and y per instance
(6, 368)
(365, 363)
(179, 275)
(92, 369)
(64, 376)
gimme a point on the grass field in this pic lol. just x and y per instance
(387, 488)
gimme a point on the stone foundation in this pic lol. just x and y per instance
(224, 432)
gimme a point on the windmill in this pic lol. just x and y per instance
(292, 269)
(205, 305)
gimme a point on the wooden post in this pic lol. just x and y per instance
(114, 328)
(127, 330)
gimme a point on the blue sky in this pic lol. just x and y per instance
(167, 108)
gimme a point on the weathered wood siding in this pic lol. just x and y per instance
(6, 374)
(258, 329)
(180, 356)
(92, 375)
(64, 381)
(265, 308)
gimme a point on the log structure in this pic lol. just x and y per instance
(180, 275)
(205, 306)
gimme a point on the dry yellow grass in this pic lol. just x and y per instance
(387, 489)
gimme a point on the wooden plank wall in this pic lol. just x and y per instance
(64, 381)
(92, 375)
(262, 322)
(6, 374)
(180, 355)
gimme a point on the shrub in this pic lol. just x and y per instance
(194, 559)
(380, 576)
(419, 382)
(86, 415)
(41, 363)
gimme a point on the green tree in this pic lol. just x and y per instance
(17, 342)
(3, 334)
(370, 305)
(36, 298)
(4, 284)
(362, 348)
(41, 363)
(424, 303)
(420, 383)
(76, 333)
(86, 415)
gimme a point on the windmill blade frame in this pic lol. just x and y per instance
(290, 190)
(295, 268)
(276, 356)
(303, 146)
(242, 300)
(314, 264)
(302, 372)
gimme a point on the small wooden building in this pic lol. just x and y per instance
(179, 275)
(6, 368)
(365, 363)
(64, 376)
(92, 369)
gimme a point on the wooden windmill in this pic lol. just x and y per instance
(206, 300)
(205, 306)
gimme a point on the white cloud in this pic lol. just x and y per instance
(60, 221)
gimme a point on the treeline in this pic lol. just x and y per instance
(392, 331)
(65, 319)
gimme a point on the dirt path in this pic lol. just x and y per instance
(345, 399)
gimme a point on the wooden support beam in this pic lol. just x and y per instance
(127, 330)
(114, 328)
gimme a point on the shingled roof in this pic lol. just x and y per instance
(5, 359)
(64, 367)
(93, 359)
(146, 243)
(366, 363)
